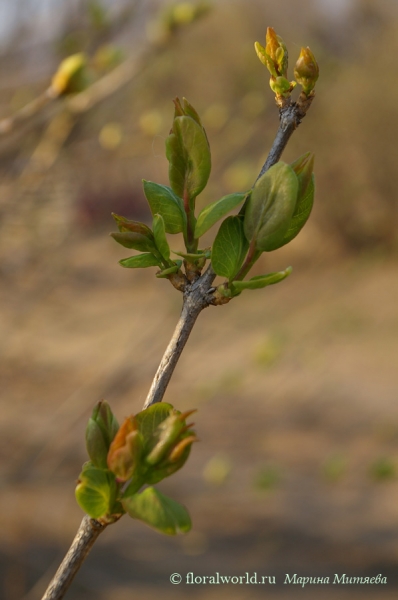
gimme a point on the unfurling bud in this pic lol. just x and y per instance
(306, 70)
(170, 446)
(275, 48)
(275, 57)
(168, 434)
(101, 429)
(125, 450)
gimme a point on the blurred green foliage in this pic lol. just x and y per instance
(267, 478)
(334, 468)
(383, 469)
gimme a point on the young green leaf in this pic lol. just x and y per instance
(261, 281)
(125, 224)
(215, 211)
(301, 213)
(189, 110)
(163, 201)
(188, 153)
(141, 261)
(149, 419)
(159, 233)
(136, 241)
(271, 207)
(158, 511)
(229, 248)
(166, 272)
(191, 256)
(303, 167)
(96, 491)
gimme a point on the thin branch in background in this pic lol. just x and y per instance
(8, 124)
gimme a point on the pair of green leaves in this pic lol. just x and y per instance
(277, 208)
(160, 442)
(188, 153)
(153, 244)
(169, 217)
(280, 204)
(163, 201)
(96, 494)
(158, 511)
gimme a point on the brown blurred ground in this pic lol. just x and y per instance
(295, 385)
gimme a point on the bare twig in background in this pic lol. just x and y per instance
(27, 112)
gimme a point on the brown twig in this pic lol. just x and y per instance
(85, 537)
(290, 116)
(196, 298)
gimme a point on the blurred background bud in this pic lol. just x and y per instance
(71, 76)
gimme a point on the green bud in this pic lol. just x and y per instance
(171, 444)
(281, 86)
(306, 70)
(101, 429)
(167, 435)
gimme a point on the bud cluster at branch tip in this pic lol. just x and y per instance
(275, 57)
(146, 448)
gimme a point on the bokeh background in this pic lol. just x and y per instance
(295, 385)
